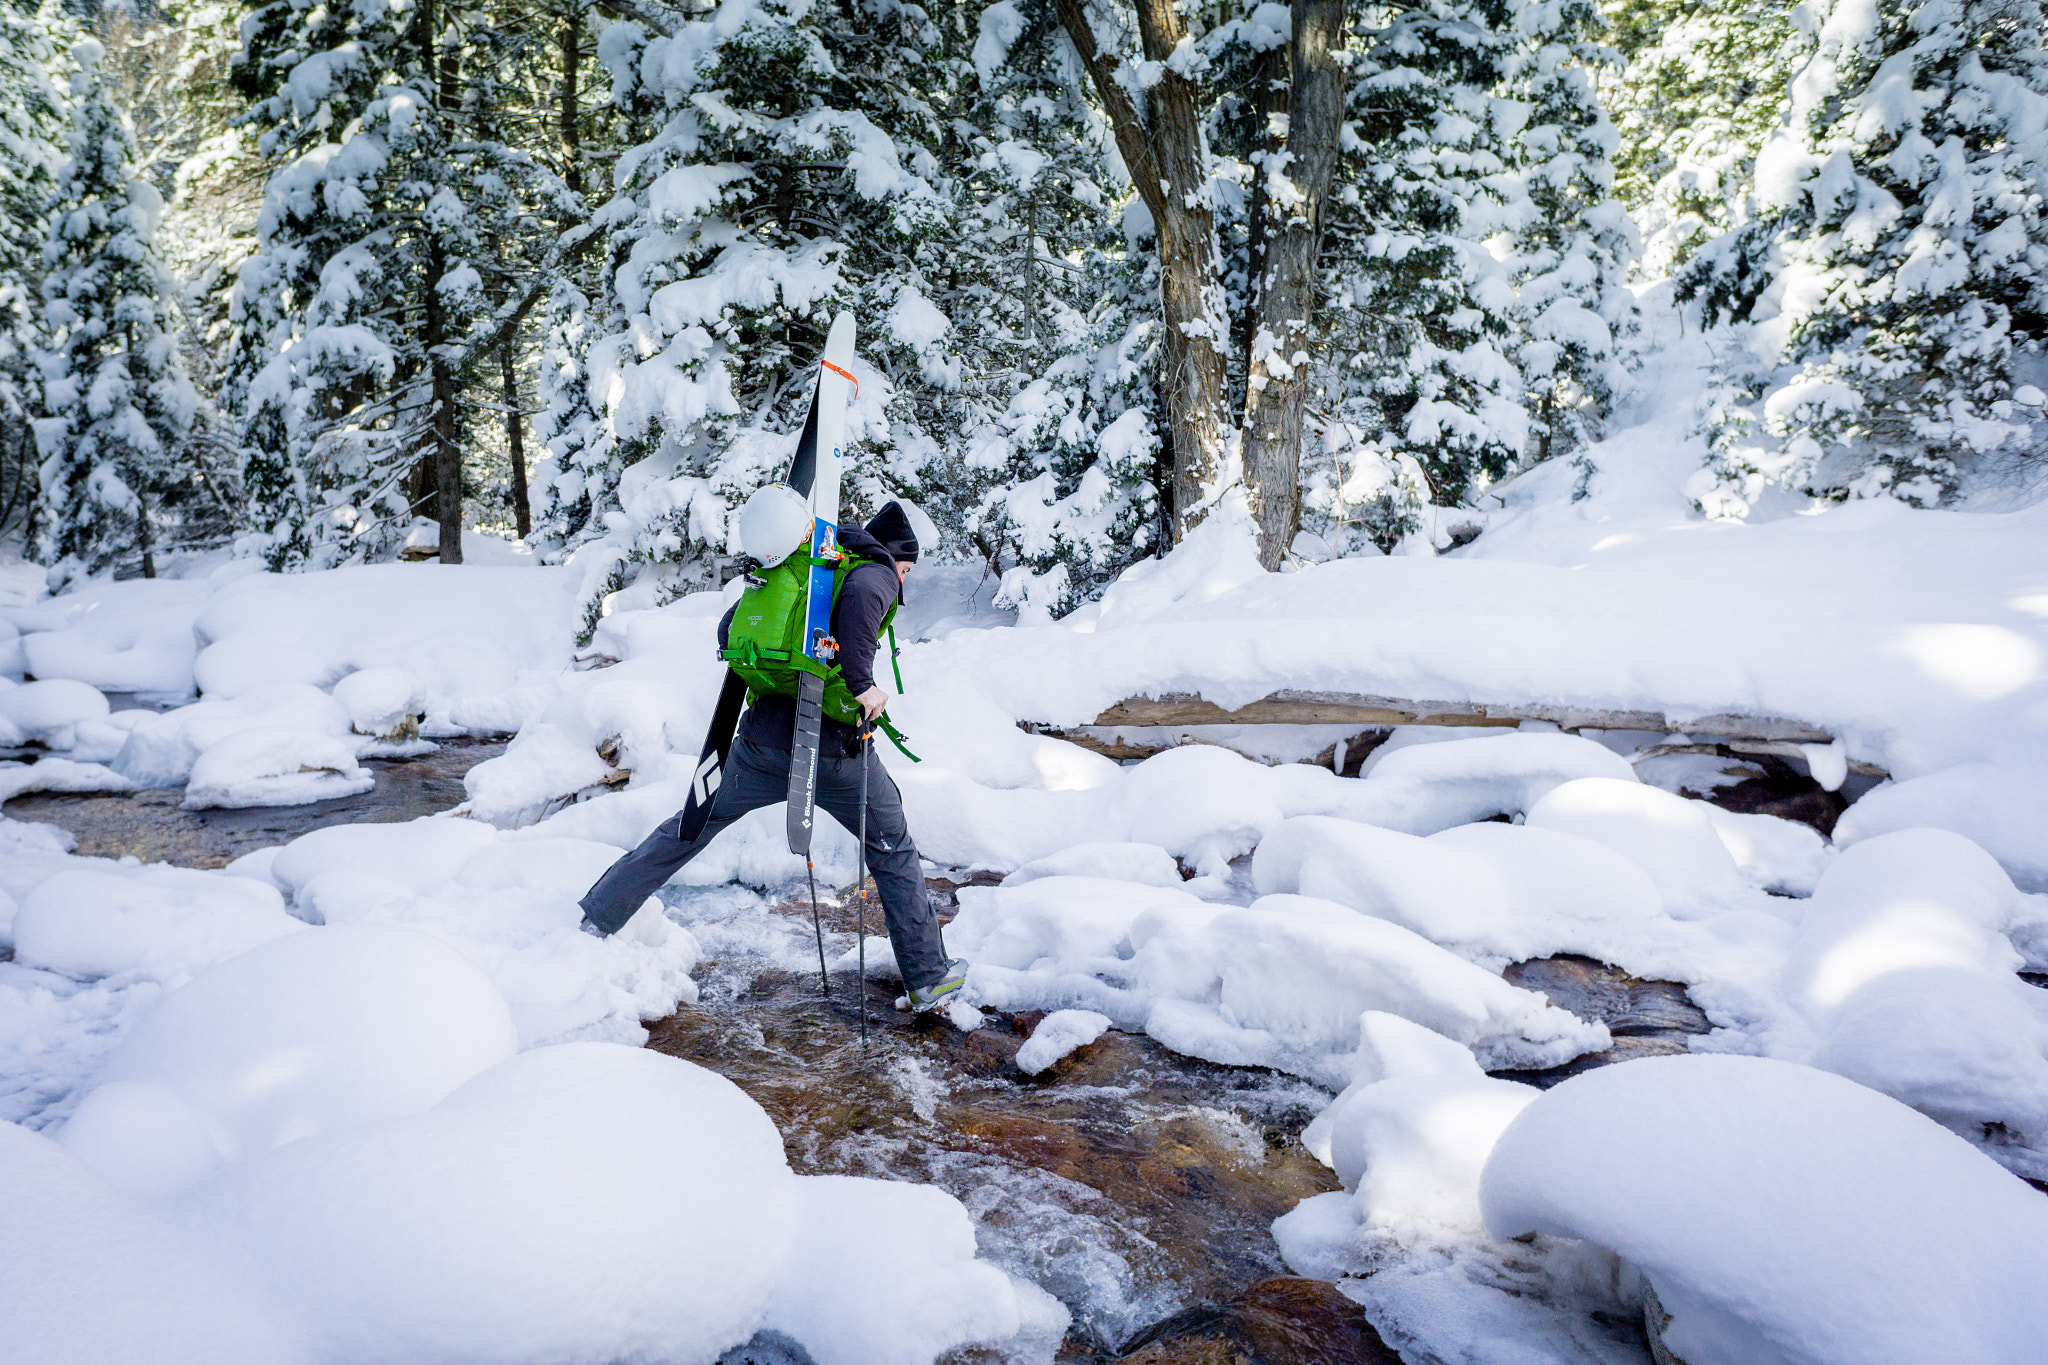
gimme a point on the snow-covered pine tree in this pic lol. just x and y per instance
(1703, 83)
(115, 397)
(1573, 243)
(1052, 456)
(1423, 402)
(787, 172)
(31, 146)
(1898, 273)
(359, 315)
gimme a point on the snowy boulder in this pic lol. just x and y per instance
(581, 1202)
(1425, 887)
(160, 750)
(1067, 924)
(121, 646)
(1906, 976)
(1917, 898)
(1388, 1046)
(1412, 1149)
(882, 1272)
(1200, 803)
(1667, 836)
(1304, 970)
(59, 775)
(538, 863)
(1146, 864)
(417, 854)
(273, 765)
(49, 712)
(2001, 807)
(88, 1277)
(162, 922)
(1559, 894)
(1965, 1051)
(1783, 1216)
(1058, 1034)
(1774, 854)
(323, 1029)
(1426, 787)
(381, 702)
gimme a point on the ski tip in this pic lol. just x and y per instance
(839, 341)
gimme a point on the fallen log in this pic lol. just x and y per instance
(1350, 708)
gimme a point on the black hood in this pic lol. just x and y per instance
(891, 526)
(856, 541)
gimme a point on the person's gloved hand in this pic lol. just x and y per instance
(874, 701)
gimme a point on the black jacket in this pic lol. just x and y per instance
(871, 588)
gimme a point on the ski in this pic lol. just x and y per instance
(732, 695)
(817, 464)
(725, 719)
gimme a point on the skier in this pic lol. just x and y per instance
(757, 774)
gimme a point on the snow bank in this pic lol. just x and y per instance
(89, 1278)
(1303, 970)
(1782, 1215)
(1408, 1139)
(405, 645)
(456, 630)
(131, 636)
(1423, 788)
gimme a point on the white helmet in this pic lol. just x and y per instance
(775, 524)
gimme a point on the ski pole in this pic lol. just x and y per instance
(817, 927)
(860, 885)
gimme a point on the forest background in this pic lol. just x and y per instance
(321, 283)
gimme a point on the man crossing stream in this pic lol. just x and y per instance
(757, 773)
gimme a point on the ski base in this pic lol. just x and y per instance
(803, 761)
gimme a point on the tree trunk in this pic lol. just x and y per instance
(1266, 113)
(142, 533)
(1276, 375)
(515, 441)
(1167, 156)
(572, 144)
(444, 451)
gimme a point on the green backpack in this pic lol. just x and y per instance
(764, 643)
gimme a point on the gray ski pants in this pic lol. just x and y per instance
(756, 777)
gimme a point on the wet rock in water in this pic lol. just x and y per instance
(768, 1348)
(1127, 1181)
(1779, 790)
(1283, 1320)
(1647, 1018)
(151, 825)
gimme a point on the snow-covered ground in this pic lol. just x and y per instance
(271, 1111)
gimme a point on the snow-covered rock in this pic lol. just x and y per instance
(1783, 1215)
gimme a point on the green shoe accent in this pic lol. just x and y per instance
(932, 996)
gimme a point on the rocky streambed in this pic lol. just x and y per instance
(1137, 1185)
